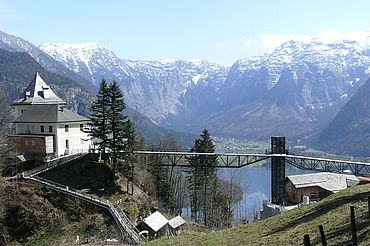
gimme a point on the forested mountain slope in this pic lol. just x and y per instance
(349, 132)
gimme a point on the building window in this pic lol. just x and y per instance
(81, 127)
(66, 128)
(42, 128)
(50, 128)
(26, 143)
(33, 142)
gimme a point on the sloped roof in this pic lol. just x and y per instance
(155, 221)
(329, 181)
(49, 114)
(176, 222)
(35, 95)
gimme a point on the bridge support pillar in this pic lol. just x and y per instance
(278, 170)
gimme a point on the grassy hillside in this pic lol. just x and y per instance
(288, 228)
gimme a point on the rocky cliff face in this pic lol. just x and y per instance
(349, 132)
(159, 88)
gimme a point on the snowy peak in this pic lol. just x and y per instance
(300, 81)
(329, 50)
(156, 88)
(81, 58)
(83, 51)
(13, 43)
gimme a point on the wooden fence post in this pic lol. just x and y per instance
(322, 235)
(306, 240)
(353, 226)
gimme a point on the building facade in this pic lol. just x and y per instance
(44, 128)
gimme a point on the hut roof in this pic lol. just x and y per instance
(176, 222)
(329, 181)
(155, 221)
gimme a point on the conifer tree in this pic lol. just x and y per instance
(200, 174)
(99, 117)
(117, 122)
(126, 166)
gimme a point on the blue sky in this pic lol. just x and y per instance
(218, 31)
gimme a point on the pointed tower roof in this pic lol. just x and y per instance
(38, 92)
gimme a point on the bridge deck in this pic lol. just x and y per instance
(237, 160)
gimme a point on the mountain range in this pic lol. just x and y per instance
(292, 91)
(17, 69)
(295, 90)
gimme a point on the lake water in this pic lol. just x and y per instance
(256, 185)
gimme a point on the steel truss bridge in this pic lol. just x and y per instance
(227, 160)
(279, 156)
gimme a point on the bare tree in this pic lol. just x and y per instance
(5, 119)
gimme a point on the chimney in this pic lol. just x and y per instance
(45, 92)
(27, 95)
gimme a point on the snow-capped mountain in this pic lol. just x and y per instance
(13, 43)
(291, 91)
(296, 87)
(157, 88)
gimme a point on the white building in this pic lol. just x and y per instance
(44, 128)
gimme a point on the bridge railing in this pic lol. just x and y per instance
(229, 160)
(51, 164)
(69, 190)
(127, 225)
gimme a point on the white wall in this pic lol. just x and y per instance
(76, 137)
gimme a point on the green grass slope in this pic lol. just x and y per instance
(288, 228)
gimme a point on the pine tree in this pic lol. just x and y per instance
(200, 174)
(128, 156)
(117, 122)
(99, 117)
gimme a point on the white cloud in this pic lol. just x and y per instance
(329, 35)
(232, 50)
(269, 41)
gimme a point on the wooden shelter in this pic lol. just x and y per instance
(316, 185)
(156, 225)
